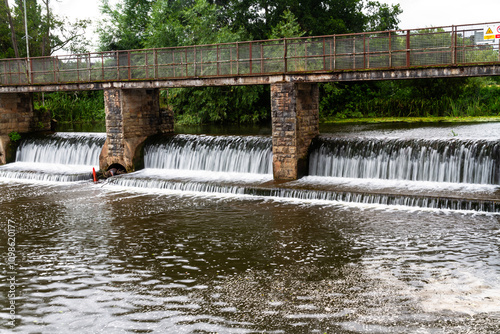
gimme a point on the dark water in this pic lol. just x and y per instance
(102, 258)
(94, 260)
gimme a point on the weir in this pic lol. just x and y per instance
(61, 157)
(427, 173)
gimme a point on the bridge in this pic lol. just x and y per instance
(131, 81)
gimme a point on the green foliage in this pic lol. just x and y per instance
(219, 105)
(171, 23)
(419, 98)
(86, 106)
(124, 26)
(287, 27)
(14, 136)
(48, 32)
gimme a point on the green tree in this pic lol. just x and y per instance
(48, 33)
(288, 27)
(180, 23)
(124, 26)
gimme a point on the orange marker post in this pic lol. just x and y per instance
(93, 172)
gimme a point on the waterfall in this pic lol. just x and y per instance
(437, 160)
(211, 153)
(61, 157)
(62, 148)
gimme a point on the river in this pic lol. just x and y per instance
(201, 242)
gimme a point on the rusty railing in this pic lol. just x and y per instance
(442, 46)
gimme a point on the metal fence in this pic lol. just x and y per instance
(455, 45)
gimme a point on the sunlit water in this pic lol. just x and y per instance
(108, 258)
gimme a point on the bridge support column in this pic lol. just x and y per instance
(131, 116)
(17, 114)
(295, 118)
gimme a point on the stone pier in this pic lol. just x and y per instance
(295, 118)
(131, 116)
(17, 114)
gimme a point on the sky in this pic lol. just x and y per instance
(416, 13)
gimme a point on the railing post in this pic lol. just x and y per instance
(78, 69)
(186, 59)
(118, 64)
(54, 67)
(454, 41)
(90, 66)
(354, 52)
(237, 58)
(324, 54)
(408, 48)
(390, 49)
(194, 61)
(102, 65)
(261, 58)
(28, 70)
(364, 52)
(285, 54)
(218, 64)
(305, 56)
(173, 61)
(250, 57)
(129, 66)
(334, 52)
(155, 53)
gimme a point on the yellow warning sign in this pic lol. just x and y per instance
(490, 32)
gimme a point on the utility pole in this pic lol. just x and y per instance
(28, 62)
(26, 30)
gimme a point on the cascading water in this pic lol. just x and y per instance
(454, 161)
(210, 153)
(243, 165)
(221, 164)
(61, 157)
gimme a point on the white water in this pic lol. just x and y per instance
(452, 161)
(62, 157)
(63, 148)
(212, 153)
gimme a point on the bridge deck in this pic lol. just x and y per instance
(363, 56)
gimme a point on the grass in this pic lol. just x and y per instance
(449, 119)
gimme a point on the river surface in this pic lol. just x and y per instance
(118, 258)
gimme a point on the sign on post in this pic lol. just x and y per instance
(492, 32)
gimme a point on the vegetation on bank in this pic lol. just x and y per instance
(136, 24)
(73, 107)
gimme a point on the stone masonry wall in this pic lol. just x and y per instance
(18, 115)
(131, 117)
(295, 119)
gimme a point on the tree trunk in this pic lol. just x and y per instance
(12, 31)
(46, 51)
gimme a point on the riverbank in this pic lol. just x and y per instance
(481, 119)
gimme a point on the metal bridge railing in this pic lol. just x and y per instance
(453, 45)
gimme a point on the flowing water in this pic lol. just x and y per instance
(393, 231)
